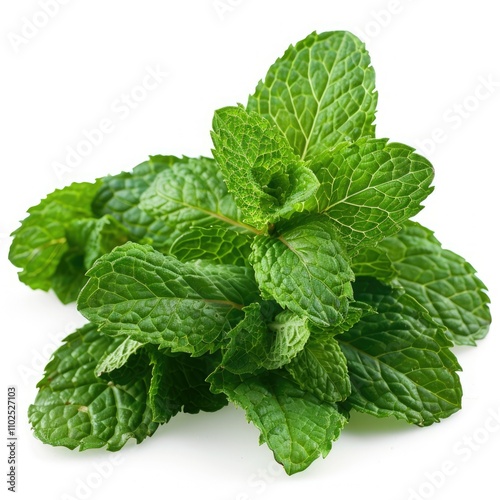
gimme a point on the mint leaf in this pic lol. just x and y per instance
(69, 277)
(306, 269)
(87, 239)
(120, 195)
(40, 242)
(296, 426)
(179, 384)
(266, 178)
(74, 408)
(374, 262)
(321, 369)
(264, 342)
(442, 281)
(320, 93)
(370, 187)
(221, 245)
(118, 358)
(190, 194)
(95, 237)
(153, 298)
(399, 360)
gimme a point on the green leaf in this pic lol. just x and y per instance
(259, 342)
(40, 242)
(220, 245)
(117, 358)
(321, 369)
(296, 426)
(369, 188)
(374, 262)
(120, 195)
(399, 360)
(87, 239)
(267, 179)
(190, 194)
(179, 384)
(74, 408)
(69, 277)
(442, 281)
(153, 298)
(306, 269)
(321, 92)
(95, 237)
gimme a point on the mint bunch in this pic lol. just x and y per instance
(284, 275)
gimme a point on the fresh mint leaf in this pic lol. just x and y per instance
(179, 384)
(40, 243)
(321, 369)
(119, 197)
(296, 426)
(374, 262)
(267, 179)
(153, 298)
(220, 245)
(75, 408)
(399, 360)
(369, 188)
(191, 193)
(87, 239)
(95, 237)
(442, 281)
(320, 93)
(305, 268)
(260, 342)
(69, 277)
(118, 357)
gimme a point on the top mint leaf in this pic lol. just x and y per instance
(267, 179)
(320, 93)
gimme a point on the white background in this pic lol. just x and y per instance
(430, 58)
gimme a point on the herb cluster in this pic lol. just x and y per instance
(284, 275)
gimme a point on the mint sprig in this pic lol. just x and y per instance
(284, 275)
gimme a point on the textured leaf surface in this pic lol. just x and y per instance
(117, 358)
(179, 384)
(258, 342)
(296, 426)
(320, 93)
(267, 179)
(153, 298)
(191, 193)
(321, 369)
(369, 188)
(306, 269)
(374, 262)
(69, 277)
(120, 195)
(92, 238)
(442, 281)
(74, 408)
(221, 245)
(40, 242)
(399, 360)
